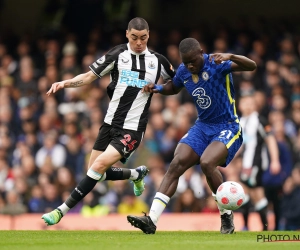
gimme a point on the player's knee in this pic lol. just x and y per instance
(99, 166)
(207, 166)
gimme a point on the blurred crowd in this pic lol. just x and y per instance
(45, 142)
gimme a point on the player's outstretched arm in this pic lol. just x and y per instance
(77, 81)
(275, 166)
(240, 63)
(166, 89)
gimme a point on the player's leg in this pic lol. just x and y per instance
(184, 158)
(115, 173)
(273, 195)
(126, 142)
(213, 156)
(260, 204)
(220, 152)
(109, 157)
(245, 209)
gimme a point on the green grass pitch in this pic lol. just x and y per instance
(136, 240)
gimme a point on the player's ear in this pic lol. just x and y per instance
(127, 33)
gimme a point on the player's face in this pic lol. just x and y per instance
(137, 39)
(247, 105)
(193, 61)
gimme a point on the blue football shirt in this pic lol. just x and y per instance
(212, 91)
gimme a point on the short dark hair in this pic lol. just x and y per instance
(188, 44)
(138, 23)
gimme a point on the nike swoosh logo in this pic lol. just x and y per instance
(124, 61)
(184, 82)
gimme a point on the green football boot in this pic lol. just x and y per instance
(53, 217)
(139, 184)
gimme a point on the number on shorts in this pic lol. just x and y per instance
(225, 134)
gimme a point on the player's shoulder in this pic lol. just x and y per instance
(209, 63)
(182, 72)
(118, 49)
(158, 55)
(182, 69)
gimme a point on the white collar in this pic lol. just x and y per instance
(134, 53)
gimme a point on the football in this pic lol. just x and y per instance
(230, 195)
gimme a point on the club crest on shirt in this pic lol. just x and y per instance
(101, 60)
(151, 65)
(205, 76)
(195, 78)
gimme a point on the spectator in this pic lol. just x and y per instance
(55, 152)
(13, 205)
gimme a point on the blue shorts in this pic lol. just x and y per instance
(202, 134)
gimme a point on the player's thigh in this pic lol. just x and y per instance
(215, 154)
(105, 160)
(93, 156)
(184, 158)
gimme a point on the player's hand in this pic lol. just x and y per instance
(149, 88)
(55, 87)
(275, 167)
(220, 57)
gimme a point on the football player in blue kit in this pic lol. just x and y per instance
(216, 136)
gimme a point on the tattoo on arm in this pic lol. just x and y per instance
(76, 84)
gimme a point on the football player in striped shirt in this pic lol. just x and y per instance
(131, 67)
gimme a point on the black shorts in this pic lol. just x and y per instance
(124, 140)
(255, 178)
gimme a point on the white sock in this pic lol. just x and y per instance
(247, 198)
(261, 204)
(94, 175)
(134, 174)
(222, 210)
(64, 208)
(159, 203)
(103, 177)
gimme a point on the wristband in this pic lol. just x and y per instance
(159, 88)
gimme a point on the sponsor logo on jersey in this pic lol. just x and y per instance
(203, 100)
(205, 76)
(131, 78)
(195, 78)
(151, 65)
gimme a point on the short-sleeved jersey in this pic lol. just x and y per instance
(129, 73)
(212, 91)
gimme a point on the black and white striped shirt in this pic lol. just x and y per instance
(129, 73)
(255, 129)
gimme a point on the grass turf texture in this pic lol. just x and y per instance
(58, 240)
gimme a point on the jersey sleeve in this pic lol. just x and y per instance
(167, 70)
(177, 79)
(106, 63)
(266, 128)
(225, 67)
